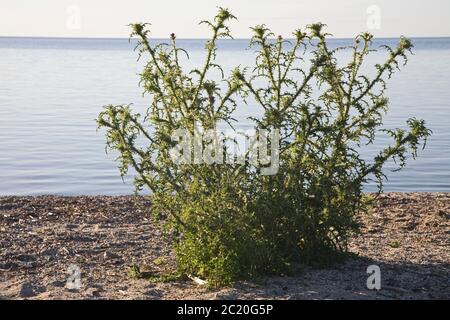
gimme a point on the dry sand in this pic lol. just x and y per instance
(406, 234)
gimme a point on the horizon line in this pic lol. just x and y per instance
(160, 38)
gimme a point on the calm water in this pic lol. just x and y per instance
(51, 90)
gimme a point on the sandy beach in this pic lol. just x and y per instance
(406, 234)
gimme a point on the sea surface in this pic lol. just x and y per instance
(51, 91)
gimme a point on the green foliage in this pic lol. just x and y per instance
(134, 272)
(394, 244)
(231, 221)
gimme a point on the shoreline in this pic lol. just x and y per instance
(406, 234)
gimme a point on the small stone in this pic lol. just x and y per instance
(93, 292)
(227, 294)
(26, 261)
(58, 283)
(49, 252)
(28, 290)
(110, 255)
(444, 214)
(8, 266)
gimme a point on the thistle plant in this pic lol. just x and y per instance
(230, 220)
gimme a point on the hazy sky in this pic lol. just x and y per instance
(108, 18)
